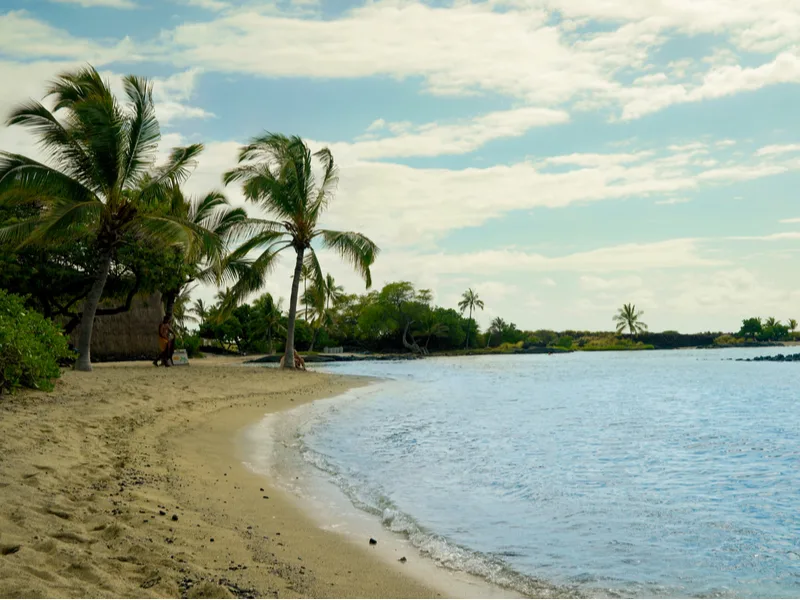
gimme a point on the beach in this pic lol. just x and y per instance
(124, 482)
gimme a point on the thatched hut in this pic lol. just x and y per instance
(131, 335)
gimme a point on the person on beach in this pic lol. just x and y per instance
(299, 363)
(166, 343)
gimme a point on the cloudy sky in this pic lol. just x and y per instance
(559, 156)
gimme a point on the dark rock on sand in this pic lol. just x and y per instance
(372, 541)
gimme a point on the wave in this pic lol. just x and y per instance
(445, 554)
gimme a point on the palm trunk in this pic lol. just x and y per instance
(288, 355)
(313, 339)
(469, 322)
(89, 309)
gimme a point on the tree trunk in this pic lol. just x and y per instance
(270, 347)
(289, 353)
(169, 301)
(89, 309)
(469, 322)
(313, 339)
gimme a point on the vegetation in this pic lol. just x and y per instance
(470, 301)
(31, 346)
(98, 223)
(276, 172)
(103, 192)
(629, 318)
(755, 329)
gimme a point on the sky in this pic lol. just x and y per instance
(560, 157)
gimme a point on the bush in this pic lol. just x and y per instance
(30, 347)
(728, 340)
(190, 343)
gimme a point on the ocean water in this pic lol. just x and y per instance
(608, 474)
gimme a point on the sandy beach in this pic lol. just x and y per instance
(124, 483)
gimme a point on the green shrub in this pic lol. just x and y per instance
(728, 340)
(30, 347)
(190, 343)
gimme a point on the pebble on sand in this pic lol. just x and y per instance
(372, 541)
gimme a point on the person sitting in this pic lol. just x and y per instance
(299, 363)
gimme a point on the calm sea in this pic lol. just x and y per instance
(616, 474)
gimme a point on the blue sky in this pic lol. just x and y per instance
(559, 156)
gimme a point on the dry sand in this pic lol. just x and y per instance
(92, 474)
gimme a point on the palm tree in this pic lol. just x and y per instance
(629, 318)
(471, 301)
(771, 322)
(182, 311)
(269, 314)
(102, 185)
(433, 329)
(498, 325)
(276, 172)
(213, 215)
(333, 293)
(200, 309)
(792, 325)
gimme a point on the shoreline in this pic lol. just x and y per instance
(92, 474)
(331, 509)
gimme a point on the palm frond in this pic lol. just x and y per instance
(95, 121)
(313, 269)
(60, 145)
(355, 248)
(20, 174)
(330, 179)
(176, 170)
(142, 132)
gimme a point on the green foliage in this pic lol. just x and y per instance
(564, 342)
(769, 330)
(30, 347)
(631, 319)
(190, 343)
(728, 340)
(751, 328)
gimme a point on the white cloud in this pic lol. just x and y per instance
(593, 283)
(22, 36)
(720, 81)
(404, 206)
(735, 291)
(778, 149)
(105, 3)
(792, 220)
(673, 201)
(213, 5)
(434, 139)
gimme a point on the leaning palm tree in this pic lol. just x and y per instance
(498, 325)
(629, 318)
(98, 183)
(277, 173)
(471, 301)
(792, 325)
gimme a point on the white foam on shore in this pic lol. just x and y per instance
(343, 503)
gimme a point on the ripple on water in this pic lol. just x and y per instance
(646, 474)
